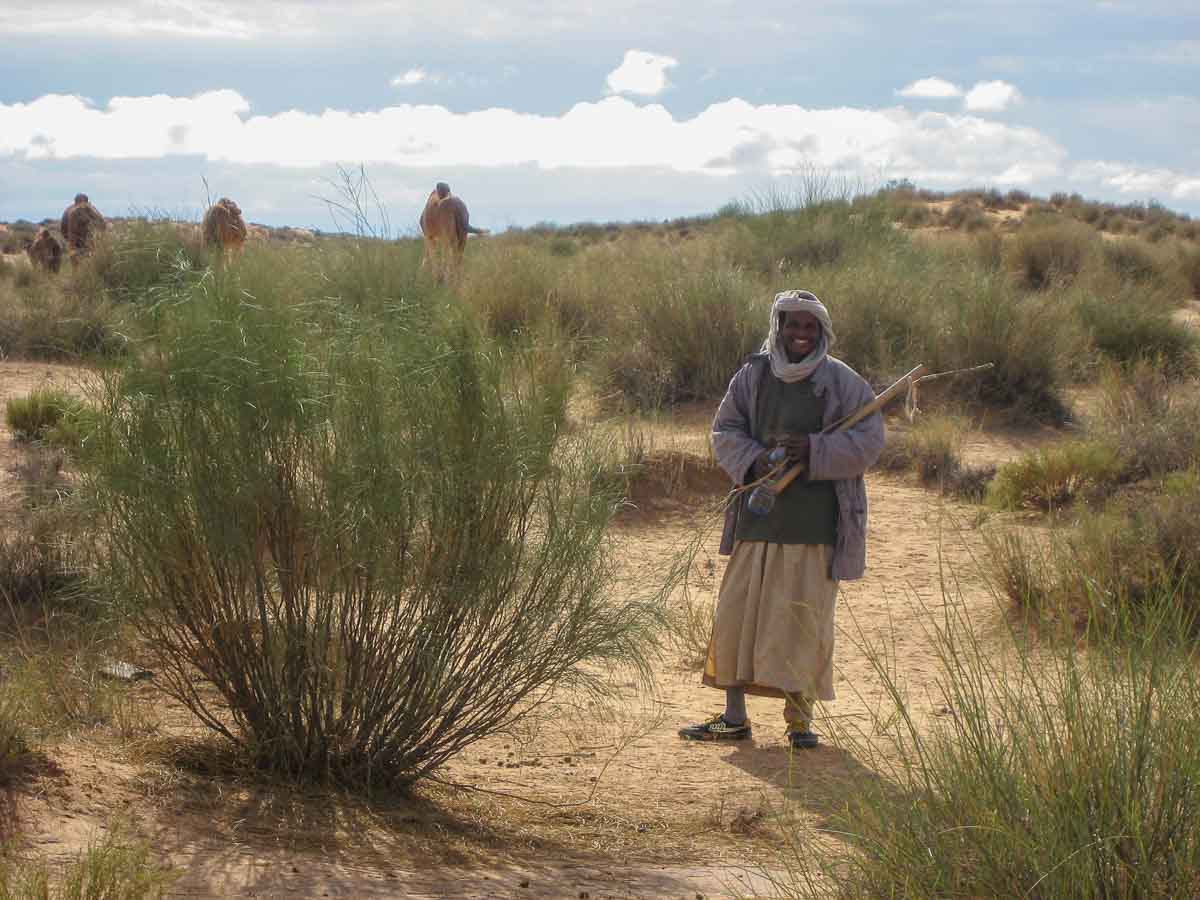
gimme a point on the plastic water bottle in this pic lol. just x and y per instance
(762, 498)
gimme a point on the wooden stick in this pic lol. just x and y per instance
(896, 390)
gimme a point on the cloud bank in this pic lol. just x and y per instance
(729, 137)
(594, 152)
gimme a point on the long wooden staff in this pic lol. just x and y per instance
(901, 387)
(773, 483)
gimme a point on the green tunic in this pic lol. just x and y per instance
(806, 512)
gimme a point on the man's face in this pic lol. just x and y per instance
(800, 333)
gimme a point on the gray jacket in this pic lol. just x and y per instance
(841, 457)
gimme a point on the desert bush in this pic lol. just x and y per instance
(988, 250)
(1125, 328)
(1190, 267)
(1133, 261)
(515, 288)
(34, 414)
(364, 275)
(1154, 422)
(139, 261)
(1066, 774)
(1133, 561)
(1049, 254)
(792, 237)
(118, 865)
(683, 335)
(1017, 198)
(911, 305)
(931, 447)
(376, 545)
(1049, 479)
(966, 216)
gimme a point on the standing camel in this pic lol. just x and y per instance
(45, 252)
(445, 224)
(81, 222)
(224, 228)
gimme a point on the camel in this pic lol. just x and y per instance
(445, 224)
(45, 251)
(224, 227)
(81, 222)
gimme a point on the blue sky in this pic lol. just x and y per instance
(578, 112)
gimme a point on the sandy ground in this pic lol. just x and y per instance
(592, 803)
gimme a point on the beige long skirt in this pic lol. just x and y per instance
(773, 629)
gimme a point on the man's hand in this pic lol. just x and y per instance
(761, 466)
(797, 447)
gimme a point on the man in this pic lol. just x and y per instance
(774, 625)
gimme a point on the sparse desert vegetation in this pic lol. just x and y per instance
(423, 572)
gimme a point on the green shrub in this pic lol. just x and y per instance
(684, 336)
(117, 865)
(1051, 774)
(31, 416)
(375, 543)
(42, 320)
(139, 261)
(1052, 253)
(966, 216)
(14, 745)
(1130, 563)
(1154, 424)
(1126, 330)
(827, 233)
(516, 288)
(1050, 479)
(1133, 261)
(1190, 267)
(931, 447)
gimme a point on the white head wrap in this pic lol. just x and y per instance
(797, 301)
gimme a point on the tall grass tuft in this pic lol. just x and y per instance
(31, 416)
(1126, 327)
(117, 865)
(1049, 253)
(1152, 420)
(1052, 478)
(1064, 775)
(374, 543)
(683, 334)
(1126, 562)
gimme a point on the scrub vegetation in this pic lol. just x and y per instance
(359, 523)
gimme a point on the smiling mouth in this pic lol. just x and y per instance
(802, 345)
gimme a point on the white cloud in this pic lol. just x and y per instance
(992, 96)
(726, 138)
(1125, 178)
(414, 77)
(147, 18)
(930, 88)
(641, 73)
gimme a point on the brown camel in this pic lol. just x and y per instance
(445, 223)
(81, 222)
(224, 227)
(45, 251)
